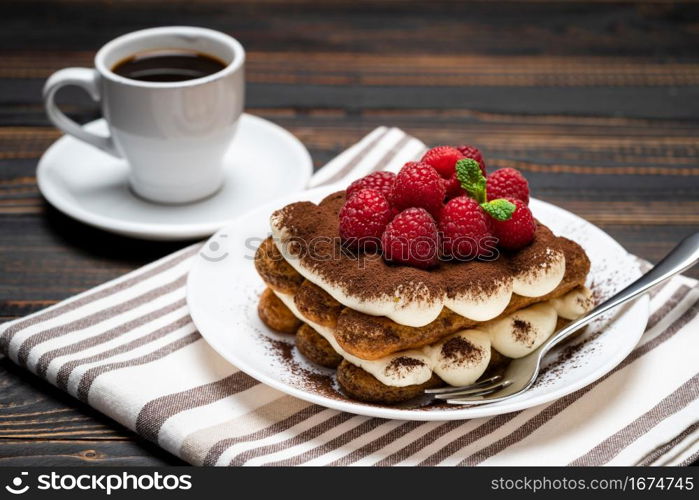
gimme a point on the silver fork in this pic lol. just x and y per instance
(521, 373)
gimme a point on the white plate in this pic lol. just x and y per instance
(264, 162)
(223, 289)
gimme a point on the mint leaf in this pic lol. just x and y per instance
(469, 173)
(499, 209)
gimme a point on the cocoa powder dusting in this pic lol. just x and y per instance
(540, 254)
(312, 381)
(460, 351)
(403, 365)
(367, 276)
(522, 331)
(585, 302)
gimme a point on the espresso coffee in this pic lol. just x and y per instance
(168, 65)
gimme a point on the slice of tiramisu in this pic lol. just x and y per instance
(434, 276)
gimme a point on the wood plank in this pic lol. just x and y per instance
(567, 138)
(430, 70)
(578, 28)
(643, 102)
(48, 453)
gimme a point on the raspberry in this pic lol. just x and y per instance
(442, 159)
(380, 181)
(464, 227)
(518, 230)
(411, 238)
(363, 219)
(418, 185)
(474, 154)
(508, 183)
(453, 187)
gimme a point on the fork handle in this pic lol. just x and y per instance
(681, 258)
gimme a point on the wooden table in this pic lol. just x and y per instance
(598, 103)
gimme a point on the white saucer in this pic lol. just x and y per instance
(264, 162)
(223, 289)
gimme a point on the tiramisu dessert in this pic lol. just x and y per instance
(436, 275)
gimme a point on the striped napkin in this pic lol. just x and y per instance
(129, 349)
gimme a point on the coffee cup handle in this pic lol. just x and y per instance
(88, 80)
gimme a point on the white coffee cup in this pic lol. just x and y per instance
(173, 135)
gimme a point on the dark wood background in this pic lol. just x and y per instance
(597, 102)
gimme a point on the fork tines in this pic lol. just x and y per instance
(472, 391)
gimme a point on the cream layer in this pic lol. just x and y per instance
(461, 358)
(402, 307)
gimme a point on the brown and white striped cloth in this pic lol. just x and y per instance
(129, 349)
